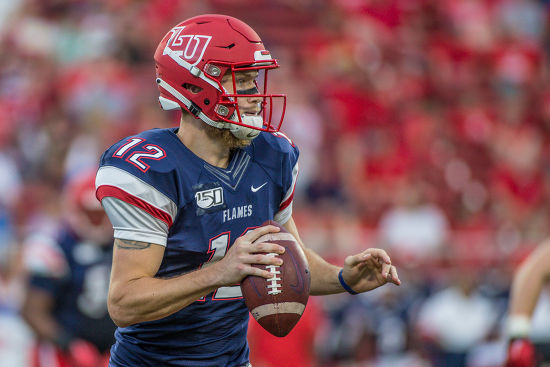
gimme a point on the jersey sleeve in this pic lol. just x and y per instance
(140, 205)
(285, 209)
(288, 154)
(134, 224)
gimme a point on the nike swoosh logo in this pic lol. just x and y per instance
(254, 189)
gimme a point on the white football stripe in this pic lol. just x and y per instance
(113, 176)
(275, 308)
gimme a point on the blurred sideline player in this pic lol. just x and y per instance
(66, 304)
(186, 204)
(529, 280)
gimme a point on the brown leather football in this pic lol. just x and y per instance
(278, 303)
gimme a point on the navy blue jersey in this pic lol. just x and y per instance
(154, 189)
(76, 275)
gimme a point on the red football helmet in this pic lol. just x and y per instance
(200, 51)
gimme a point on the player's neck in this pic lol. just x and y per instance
(203, 146)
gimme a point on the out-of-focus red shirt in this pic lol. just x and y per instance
(295, 349)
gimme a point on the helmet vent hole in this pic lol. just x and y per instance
(192, 88)
(228, 46)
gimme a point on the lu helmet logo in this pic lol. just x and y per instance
(189, 47)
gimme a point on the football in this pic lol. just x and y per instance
(278, 303)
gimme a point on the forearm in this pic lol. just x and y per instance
(529, 280)
(137, 295)
(324, 276)
(148, 298)
(526, 287)
(525, 291)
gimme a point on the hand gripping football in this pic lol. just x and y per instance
(278, 303)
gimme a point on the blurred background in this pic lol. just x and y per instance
(424, 129)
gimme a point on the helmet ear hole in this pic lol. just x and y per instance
(192, 88)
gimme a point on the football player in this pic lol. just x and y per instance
(186, 204)
(527, 285)
(66, 304)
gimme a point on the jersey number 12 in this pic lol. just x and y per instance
(151, 151)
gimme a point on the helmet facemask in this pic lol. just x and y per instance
(246, 123)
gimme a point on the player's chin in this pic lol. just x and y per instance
(232, 142)
(226, 137)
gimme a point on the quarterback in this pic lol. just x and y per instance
(186, 204)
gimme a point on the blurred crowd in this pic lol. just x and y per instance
(423, 126)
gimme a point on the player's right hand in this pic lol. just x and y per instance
(237, 263)
(521, 353)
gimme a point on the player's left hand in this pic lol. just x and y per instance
(369, 270)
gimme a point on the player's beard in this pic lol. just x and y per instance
(225, 137)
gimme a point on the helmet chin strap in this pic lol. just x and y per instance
(247, 133)
(240, 132)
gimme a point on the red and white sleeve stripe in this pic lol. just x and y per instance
(140, 212)
(285, 209)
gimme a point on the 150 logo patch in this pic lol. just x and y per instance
(209, 198)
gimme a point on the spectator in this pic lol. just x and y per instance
(412, 227)
(456, 318)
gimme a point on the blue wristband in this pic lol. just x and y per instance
(343, 283)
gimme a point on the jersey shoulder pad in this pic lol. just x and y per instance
(278, 141)
(144, 156)
(272, 147)
(140, 153)
(140, 167)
